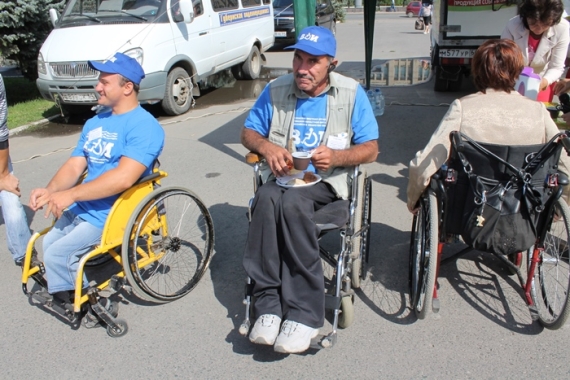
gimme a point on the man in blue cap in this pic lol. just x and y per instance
(116, 148)
(330, 115)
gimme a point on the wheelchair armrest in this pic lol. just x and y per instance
(149, 177)
(253, 158)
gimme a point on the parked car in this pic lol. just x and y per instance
(284, 18)
(179, 45)
(413, 8)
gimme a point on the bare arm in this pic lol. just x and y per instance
(60, 192)
(277, 157)
(66, 177)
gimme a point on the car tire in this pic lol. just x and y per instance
(178, 95)
(252, 66)
(410, 14)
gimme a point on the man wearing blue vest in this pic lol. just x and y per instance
(330, 115)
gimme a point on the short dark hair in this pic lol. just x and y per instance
(548, 12)
(123, 81)
(497, 64)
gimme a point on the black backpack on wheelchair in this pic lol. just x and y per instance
(498, 192)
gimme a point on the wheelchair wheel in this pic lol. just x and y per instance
(168, 244)
(362, 218)
(550, 285)
(423, 255)
(98, 260)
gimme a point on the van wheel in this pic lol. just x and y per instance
(440, 84)
(237, 72)
(252, 66)
(178, 96)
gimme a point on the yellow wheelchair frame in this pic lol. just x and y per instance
(137, 235)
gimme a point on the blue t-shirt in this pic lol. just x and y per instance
(104, 140)
(310, 120)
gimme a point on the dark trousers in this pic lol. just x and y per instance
(282, 252)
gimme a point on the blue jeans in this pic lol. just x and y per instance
(17, 230)
(70, 238)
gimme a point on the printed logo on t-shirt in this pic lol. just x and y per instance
(309, 131)
(99, 145)
(310, 122)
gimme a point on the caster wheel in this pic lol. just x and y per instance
(244, 329)
(122, 329)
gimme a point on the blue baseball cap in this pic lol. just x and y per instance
(316, 40)
(120, 64)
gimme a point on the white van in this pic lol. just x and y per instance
(178, 43)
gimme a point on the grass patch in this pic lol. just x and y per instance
(25, 104)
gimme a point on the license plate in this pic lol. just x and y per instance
(78, 98)
(456, 53)
(280, 34)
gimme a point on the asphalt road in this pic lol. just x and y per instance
(483, 330)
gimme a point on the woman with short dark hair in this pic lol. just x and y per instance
(543, 37)
(497, 114)
(497, 65)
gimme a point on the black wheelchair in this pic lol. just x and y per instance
(446, 204)
(344, 271)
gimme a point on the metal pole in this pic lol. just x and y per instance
(304, 14)
(369, 18)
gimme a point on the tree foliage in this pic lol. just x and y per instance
(24, 25)
(340, 13)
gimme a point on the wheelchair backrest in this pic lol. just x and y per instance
(538, 160)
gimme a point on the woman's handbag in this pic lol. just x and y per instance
(498, 222)
(500, 217)
(419, 24)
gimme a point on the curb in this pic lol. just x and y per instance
(22, 128)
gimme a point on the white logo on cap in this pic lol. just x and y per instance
(113, 59)
(309, 37)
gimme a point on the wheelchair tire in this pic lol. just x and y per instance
(551, 282)
(173, 244)
(346, 316)
(423, 255)
(362, 218)
(98, 260)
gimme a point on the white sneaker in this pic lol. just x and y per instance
(265, 330)
(294, 337)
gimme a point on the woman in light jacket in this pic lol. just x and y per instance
(543, 36)
(497, 114)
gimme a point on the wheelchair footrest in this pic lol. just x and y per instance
(65, 309)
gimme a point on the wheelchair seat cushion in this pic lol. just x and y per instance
(332, 216)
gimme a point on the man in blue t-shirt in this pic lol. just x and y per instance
(313, 109)
(116, 148)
